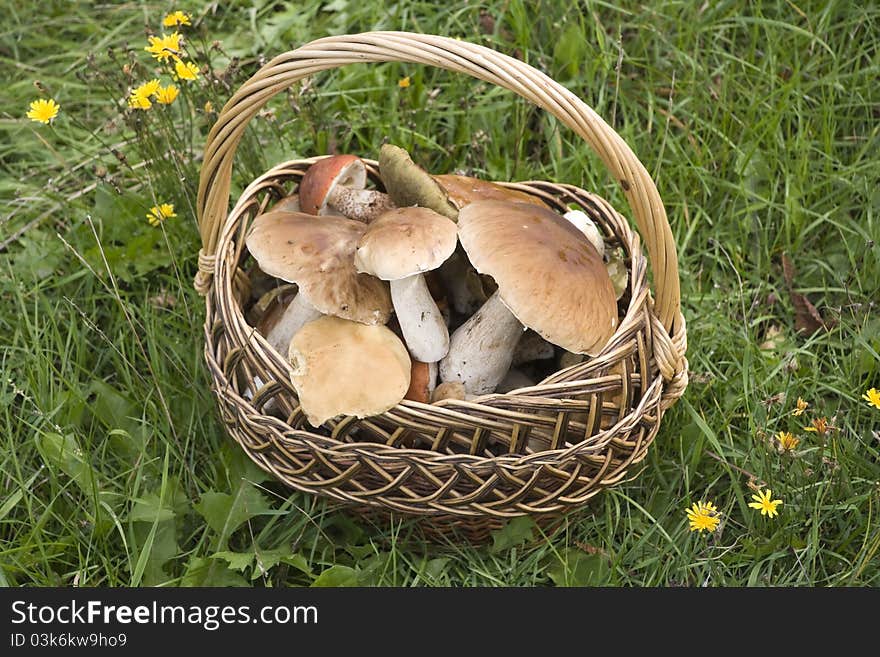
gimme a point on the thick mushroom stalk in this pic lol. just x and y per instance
(297, 314)
(481, 349)
(399, 247)
(421, 322)
(359, 204)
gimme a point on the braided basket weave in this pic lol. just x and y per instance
(472, 464)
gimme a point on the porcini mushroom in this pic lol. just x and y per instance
(319, 257)
(339, 183)
(342, 367)
(583, 223)
(399, 247)
(550, 278)
(409, 184)
(462, 190)
(422, 381)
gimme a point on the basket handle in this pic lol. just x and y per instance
(461, 57)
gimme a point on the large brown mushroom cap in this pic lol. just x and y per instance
(404, 242)
(319, 257)
(549, 274)
(463, 190)
(346, 368)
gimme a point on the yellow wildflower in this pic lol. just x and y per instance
(159, 213)
(165, 46)
(787, 442)
(703, 516)
(209, 107)
(801, 407)
(403, 83)
(819, 426)
(166, 95)
(139, 100)
(177, 18)
(872, 397)
(186, 70)
(764, 504)
(43, 110)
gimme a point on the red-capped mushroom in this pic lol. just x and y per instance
(338, 183)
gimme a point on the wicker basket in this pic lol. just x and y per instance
(463, 464)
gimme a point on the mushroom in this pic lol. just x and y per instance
(338, 183)
(286, 204)
(409, 184)
(449, 390)
(462, 190)
(583, 223)
(550, 278)
(319, 257)
(342, 367)
(399, 247)
(616, 267)
(422, 381)
(531, 346)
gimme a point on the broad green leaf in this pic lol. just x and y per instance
(337, 576)
(224, 513)
(210, 572)
(236, 560)
(149, 509)
(577, 568)
(516, 531)
(154, 551)
(64, 454)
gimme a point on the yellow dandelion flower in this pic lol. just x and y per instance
(165, 46)
(819, 426)
(159, 213)
(703, 516)
(872, 397)
(139, 100)
(209, 107)
(403, 83)
(166, 95)
(787, 441)
(801, 407)
(186, 70)
(43, 110)
(176, 18)
(765, 504)
(148, 88)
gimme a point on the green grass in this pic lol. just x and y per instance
(760, 124)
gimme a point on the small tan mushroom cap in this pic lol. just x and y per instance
(549, 274)
(346, 368)
(319, 257)
(404, 242)
(463, 190)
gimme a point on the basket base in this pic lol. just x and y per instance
(453, 530)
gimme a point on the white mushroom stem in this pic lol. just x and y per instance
(423, 327)
(359, 204)
(298, 313)
(584, 224)
(481, 349)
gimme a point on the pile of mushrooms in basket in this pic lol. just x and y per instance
(443, 286)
